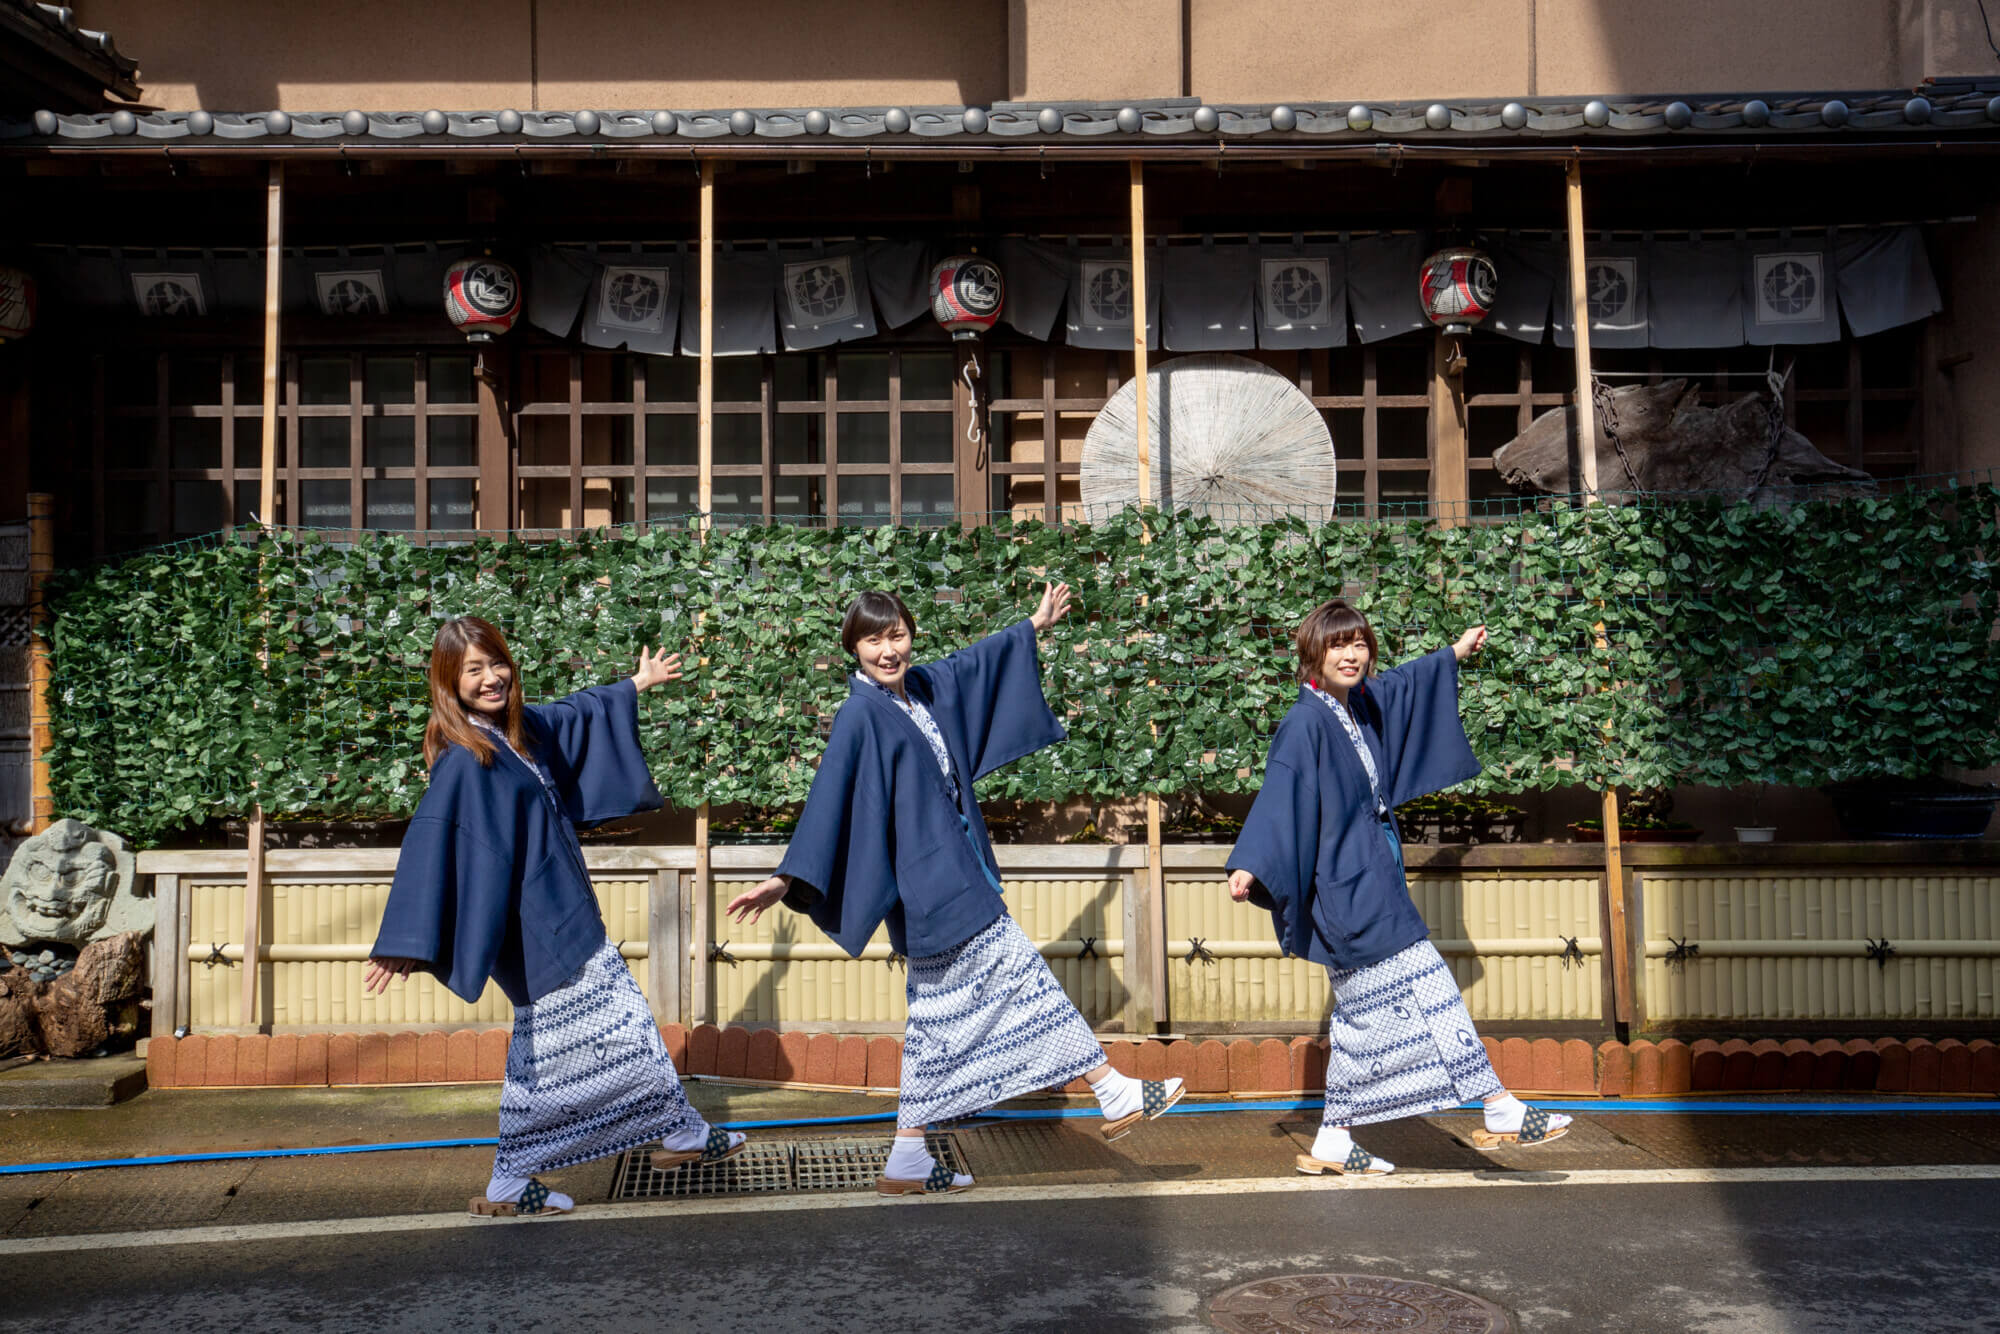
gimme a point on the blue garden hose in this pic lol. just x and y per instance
(1689, 1106)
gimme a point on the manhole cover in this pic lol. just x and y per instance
(1311, 1302)
(772, 1165)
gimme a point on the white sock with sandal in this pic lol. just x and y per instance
(1334, 1143)
(1118, 1095)
(506, 1190)
(1505, 1114)
(910, 1160)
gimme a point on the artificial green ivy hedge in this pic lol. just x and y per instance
(1636, 645)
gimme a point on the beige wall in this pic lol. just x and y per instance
(1105, 50)
(379, 55)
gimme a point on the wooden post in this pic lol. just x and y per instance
(170, 961)
(1615, 928)
(41, 564)
(666, 950)
(267, 500)
(703, 888)
(1155, 906)
(1449, 483)
(1585, 415)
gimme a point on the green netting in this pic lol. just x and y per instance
(1673, 639)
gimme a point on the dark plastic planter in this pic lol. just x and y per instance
(747, 838)
(1866, 810)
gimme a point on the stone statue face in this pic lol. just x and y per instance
(61, 885)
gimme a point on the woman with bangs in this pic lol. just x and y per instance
(891, 834)
(491, 884)
(1321, 850)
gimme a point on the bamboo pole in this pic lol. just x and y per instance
(41, 564)
(1155, 915)
(702, 885)
(267, 499)
(1585, 417)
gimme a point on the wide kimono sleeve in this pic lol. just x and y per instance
(451, 905)
(841, 857)
(989, 697)
(1279, 843)
(592, 744)
(1423, 741)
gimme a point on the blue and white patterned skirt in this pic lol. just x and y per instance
(1401, 1043)
(587, 1074)
(988, 1022)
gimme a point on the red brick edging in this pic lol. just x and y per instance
(1210, 1065)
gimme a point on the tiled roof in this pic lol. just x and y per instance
(93, 50)
(1959, 106)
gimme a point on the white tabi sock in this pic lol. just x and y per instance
(1118, 1095)
(909, 1160)
(1504, 1114)
(1334, 1143)
(506, 1190)
(683, 1141)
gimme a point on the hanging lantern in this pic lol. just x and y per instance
(1458, 286)
(17, 304)
(482, 296)
(966, 292)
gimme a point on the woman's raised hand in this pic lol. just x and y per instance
(1239, 885)
(655, 668)
(1470, 642)
(383, 971)
(1055, 602)
(751, 903)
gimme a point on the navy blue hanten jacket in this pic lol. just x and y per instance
(1334, 885)
(491, 880)
(882, 837)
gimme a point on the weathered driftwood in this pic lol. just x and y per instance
(1673, 443)
(95, 1002)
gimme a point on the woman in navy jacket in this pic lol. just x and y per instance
(891, 834)
(1322, 852)
(491, 883)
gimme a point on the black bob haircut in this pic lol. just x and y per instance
(871, 614)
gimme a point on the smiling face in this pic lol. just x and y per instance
(884, 655)
(1345, 665)
(483, 683)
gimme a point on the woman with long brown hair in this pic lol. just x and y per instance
(1321, 851)
(491, 884)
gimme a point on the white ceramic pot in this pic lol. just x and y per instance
(1756, 834)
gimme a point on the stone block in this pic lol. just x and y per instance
(492, 1055)
(760, 1058)
(1211, 1067)
(703, 1044)
(1894, 1076)
(253, 1059)
(1864, 1064)
(160, 1069)
(431, 1057)
(822, 1058)
(885, 1062)
(1646, 1068)
(1614, 1070)
(732, 1052)
(461, 1055)
(676, 1038)
(1954, 1066)
(1579, 1067)
(342, 1057)
(850, 1066)
(371, 1058)
(312, 1060)
(1274, 1067)
(1707, 1065)
(1545, 1061)
(1676, 1067)
(792, 1058)
(402, 1058)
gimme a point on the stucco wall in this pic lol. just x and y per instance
(1107, 50)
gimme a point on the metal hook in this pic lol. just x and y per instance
(1042, 161)
(868, 161)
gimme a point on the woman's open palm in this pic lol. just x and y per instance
(656, 667)
(1055, 602)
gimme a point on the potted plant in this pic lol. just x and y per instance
(1644, 817)
(1460, 817)
(756, 825)
(1195, 821)
(1885, 807)
(1756, 831)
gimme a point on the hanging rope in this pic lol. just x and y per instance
(1881, 951)
(1683, 951)
(971, 374)
(1198, 950)
(718, 952)
(1572, 952)
(1774, 418)
(1089, 950)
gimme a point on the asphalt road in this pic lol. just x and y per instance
(1752, 1255)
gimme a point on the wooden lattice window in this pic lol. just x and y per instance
(862, 435)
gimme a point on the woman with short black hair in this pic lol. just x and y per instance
(1321, 850)
(891, 834)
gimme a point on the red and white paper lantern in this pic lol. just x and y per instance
(966, 294)
(17, 304)
(482, 296)
(1458, 286)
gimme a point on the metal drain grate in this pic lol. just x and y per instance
(852, 1164)
(761, 1167)
(767, 1166)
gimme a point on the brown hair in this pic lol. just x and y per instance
(871, 614)
(1328, 624)
(449, 724)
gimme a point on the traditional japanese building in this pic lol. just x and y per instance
(1806, 179)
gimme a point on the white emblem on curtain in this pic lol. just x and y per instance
(1297, 290)
(1790, 287)
(633, 299)
(169, 294)
(1611, 290)
(352, 292)
(1107, 292)
(821, 291)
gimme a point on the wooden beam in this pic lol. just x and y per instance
(41, 564)
(253, 915)
(1615, 929)
(1449, 483)
(1154, 907)
(705, 393)
(274, 251)
(1585, 415)
(700, 932)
